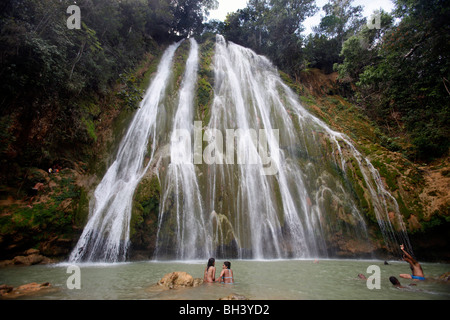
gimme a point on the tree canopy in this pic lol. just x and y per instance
(398, 73)
(402, 71)
(272, 28)
(52, 72)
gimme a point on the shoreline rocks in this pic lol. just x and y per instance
(7, 291)
(30, 257)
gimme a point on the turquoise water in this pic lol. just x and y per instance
(256, 280)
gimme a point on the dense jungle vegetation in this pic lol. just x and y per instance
(398, 72)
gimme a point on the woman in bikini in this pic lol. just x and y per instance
(210, 271)
(226, 276)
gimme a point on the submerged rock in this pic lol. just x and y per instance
(234, 296)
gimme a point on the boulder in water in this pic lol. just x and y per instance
(179, 279)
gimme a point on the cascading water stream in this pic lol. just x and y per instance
(106, 235)
(181, 178)
(245, 100)
(279, 189)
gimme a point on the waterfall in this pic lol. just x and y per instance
(191, 239)
(106, 234)
(260, 178)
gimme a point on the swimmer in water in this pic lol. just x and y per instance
(395, 282)
(226, 276)
(210, 271)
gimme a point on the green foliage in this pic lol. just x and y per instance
(341, 21)
(49, 71)
(388, 173)
(272, 28)
(401, 73)
(204, 93)
(131, 93)
(321, 53)
(90, 128)
(56, 215)
(144, 217)
(188, 16)
(435, 221)
(205, 81)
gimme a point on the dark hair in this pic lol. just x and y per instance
(394, 281)
(227, 264)
(211, 263)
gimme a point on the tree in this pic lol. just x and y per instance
(362, 50)
(341, 21)
(51, 75)
(402, 75)
(189, 16)
(285, 25)
(247, 26)
(272, 28)
(321, 52)
(159, 17)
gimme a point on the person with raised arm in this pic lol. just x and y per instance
(416, 268)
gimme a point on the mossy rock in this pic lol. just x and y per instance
(205, 83)
(52, 214)
(144, 217)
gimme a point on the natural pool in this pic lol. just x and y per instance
(256, 280)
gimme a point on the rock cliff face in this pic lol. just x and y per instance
(52, 219)
(421, 190)
(47, 219)
(144, 221)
